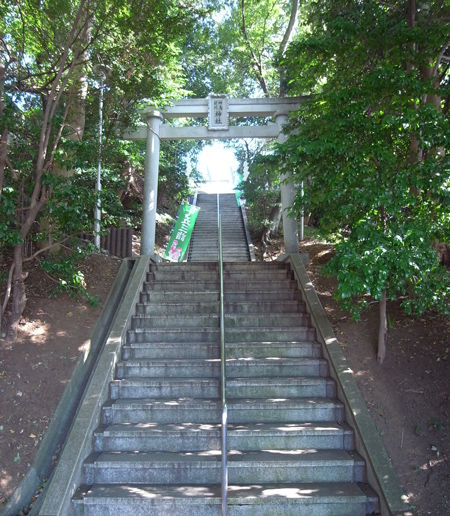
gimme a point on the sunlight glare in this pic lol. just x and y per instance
(218, 165)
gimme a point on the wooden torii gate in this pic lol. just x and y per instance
(218, 109)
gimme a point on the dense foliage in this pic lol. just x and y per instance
(55, 56)
(372, 145)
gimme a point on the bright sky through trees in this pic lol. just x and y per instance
(217, 165)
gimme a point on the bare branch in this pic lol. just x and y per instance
(37, 253)
(57, 139)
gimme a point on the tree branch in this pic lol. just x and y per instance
(37, 253)
(38, 196)
(255, 62)
(440, 56)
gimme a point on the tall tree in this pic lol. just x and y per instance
(253, 36)
(372, 145)
(250, 46)
(48, 50)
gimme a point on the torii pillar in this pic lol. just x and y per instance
(290, 231)
(151, 170)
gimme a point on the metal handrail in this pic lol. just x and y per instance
(222, 367)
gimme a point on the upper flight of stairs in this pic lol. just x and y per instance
(203, 247)
(157, 450)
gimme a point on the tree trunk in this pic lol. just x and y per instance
(4, 131)
(75, 100)
(19, 298)
(284, 44)
(255, 60)
(382, 330)
(3, 156)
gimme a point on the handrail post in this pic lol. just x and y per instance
(222, 367)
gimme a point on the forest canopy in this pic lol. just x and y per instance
(370, 145)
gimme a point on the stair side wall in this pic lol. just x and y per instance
(67, 475)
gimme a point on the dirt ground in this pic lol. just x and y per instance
(408, 396)
(35, 370)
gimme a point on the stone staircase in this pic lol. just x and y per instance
(203, 247)
(157, 450)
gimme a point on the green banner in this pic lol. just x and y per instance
(238, 193)
(181, 233)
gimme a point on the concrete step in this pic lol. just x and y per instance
(172, 321)
(136, 388)
(204, 240)
(254, 387)
(226, 258)
(212, 307)
(161, 410)
(152, 436)
(169, 275)
(155, 350)
(272, 410)
(211, 320)
(192, 296)
(233, 229)
(210, 368)
(264, 286)
(255, 275)
(241, 296)
(181, 286)
(313, 499)
(293, 349)
(232, 239)
(167, 350)
(236, 256)
(201, 467)
(166, 309)
(174, 335)
(202, 258)
(281, 387)
(264, 319)
(188, 368)
(207, 230)
(183, 267)
(270, 334)
(268, 307)
(256, 266)
(240, 411)
(286, 307)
